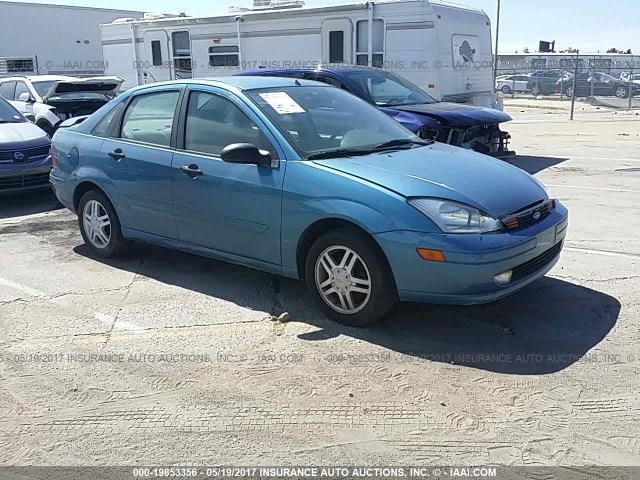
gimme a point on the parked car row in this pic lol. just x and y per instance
(300, 179)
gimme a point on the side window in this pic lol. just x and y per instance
(213, 122)
(149, 118)
(21, 87)
(326, 79)
(156, 53)
(7, 89)
(224, 56)
(362, 43)
(106, 127)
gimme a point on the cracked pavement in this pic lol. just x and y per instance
(160, 357)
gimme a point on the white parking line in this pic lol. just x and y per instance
(605, 253)
(23, 288)
(103, 318)
(624, 190)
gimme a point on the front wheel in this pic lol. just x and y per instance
(535, 91)
(349, 278)
(99, 224)
(622, 92)
(506, 89)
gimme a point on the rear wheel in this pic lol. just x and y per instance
(349, 278)
(535, 90)
(506, 89)
(622, 92)
(99, 224)
(570, 92)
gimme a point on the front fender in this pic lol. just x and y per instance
(313, 211)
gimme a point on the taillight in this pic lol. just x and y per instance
(52, 154)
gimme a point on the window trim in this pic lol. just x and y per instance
(172, 142)
(182, 124)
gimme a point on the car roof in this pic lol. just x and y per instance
(319, 68)
(39, 78)
(241, 83)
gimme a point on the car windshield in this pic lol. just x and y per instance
(388, 89)
(42, 87)
(8, 114)
(329, 121)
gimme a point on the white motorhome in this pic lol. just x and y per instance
(443, 48)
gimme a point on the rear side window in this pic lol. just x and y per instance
(106, 127)
(149, 118)
(7, 89)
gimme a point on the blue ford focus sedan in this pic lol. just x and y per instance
(307, 181)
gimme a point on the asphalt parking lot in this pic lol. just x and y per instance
(161, 357)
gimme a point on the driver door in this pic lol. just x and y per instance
(228, 207)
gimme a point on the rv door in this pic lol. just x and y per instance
(156, 66)
(337, 34)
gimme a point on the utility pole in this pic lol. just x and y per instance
(495, 66)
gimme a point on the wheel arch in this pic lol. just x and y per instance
(319, 228)
(84, 187)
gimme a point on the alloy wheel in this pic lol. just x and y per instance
(343, 280)
(97, 224)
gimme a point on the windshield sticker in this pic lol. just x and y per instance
(282, 103)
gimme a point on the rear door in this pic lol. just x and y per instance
(157, 61)
(228, 207)
(138, 161)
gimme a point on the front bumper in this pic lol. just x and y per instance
(25, 177)
(467, 277)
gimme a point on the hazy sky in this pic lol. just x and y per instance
(590, 25)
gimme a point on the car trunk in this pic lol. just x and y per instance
(73, 98)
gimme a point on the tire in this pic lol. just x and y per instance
(506, 89)
(622, 92)
(368, 304)
(535, 91)
(569, 92)
(47, 128)
(98, 210)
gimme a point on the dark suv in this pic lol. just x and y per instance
(546, 82)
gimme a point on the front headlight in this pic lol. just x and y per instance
(454, 217)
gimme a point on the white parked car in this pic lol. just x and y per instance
(512, 83)
(635, 78)
(53, 98)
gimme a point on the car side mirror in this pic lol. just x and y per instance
(246, 153)
(25, 97)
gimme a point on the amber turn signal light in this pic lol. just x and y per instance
(432, 255)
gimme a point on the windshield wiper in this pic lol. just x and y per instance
(401, 142)
(340, 152)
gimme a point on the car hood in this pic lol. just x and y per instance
(107, 85)
(443, 171)
(21, 135)
(457, 114)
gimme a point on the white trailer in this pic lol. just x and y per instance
(443, 48)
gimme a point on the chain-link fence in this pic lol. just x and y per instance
(603, 81)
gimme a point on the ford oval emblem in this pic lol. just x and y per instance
(18, 155)
(537, 215)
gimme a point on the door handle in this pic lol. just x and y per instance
(117, 154)
(192, 170)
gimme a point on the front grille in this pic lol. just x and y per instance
(529, 216)
(536, 264)
(22, 181)
(29, 154)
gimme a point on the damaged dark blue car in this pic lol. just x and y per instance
(466, 126)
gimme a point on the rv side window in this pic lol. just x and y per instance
(156, 53)
(224, 56)
(362, 43)
(336, 47)
(181, 43)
